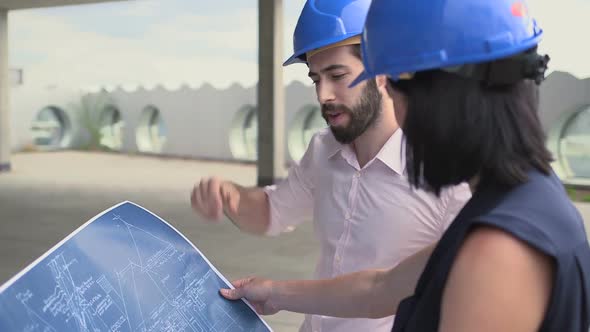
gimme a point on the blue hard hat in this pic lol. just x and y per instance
(325, 22)
(403, 36)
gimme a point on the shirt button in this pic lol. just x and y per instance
(347, 216)
(357, 175)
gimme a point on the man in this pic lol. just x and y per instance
(351, 181)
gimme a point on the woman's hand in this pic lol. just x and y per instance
(257, 291)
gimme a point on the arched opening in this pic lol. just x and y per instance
(151, 131)
(111, 128)
(243, 136)
(305, 124)
(571, 144)
(51, 129)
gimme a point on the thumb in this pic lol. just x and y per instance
(239, 291)
(232, 294)
(231, 198)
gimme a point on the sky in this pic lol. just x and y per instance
(175, 42)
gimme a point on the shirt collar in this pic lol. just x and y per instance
(333, 146)
(392, 154)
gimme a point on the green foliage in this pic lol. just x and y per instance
(579, 194)
(87, 112)
(572, 193)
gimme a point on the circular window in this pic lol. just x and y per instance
(51, 129)
(111, 128)
(573, 146)
(151, 132)
(305, 124)
(244, 134)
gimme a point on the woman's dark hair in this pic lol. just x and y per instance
(457, 128)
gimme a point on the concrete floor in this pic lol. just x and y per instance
(48, 195)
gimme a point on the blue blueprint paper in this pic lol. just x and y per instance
(125, 270)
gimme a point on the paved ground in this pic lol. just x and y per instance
(48, 195)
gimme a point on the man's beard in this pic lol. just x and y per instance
(362, 116)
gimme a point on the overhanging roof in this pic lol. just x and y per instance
(27, 4)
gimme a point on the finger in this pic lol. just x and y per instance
(193, 197)
(197, 203)
(223, 192)
(240, 283)
(207, 199)
(232, 294)
(234, 202)
(230, 199)
(215, 203)
(197, 198)
(203, 191)
(259, 308)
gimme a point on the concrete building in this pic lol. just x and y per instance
(6, 77)
(207, 123)
(192, 122)
(268, 123)
(270, 98)
(565, 115)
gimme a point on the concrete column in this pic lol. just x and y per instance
(4, 94)
(271, 100)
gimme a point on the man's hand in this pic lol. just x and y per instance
(257, 291)
(212, 196)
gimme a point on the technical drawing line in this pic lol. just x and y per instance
(108, 295)
(167, 297)
(33, 312)
(118, 217)
(137, 294)
(163, 283)
(124, 303)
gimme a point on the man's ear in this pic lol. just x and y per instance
(382, 83)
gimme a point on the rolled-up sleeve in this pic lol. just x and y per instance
(291, 200)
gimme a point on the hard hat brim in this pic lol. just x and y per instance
(362, 77)
(295, 58)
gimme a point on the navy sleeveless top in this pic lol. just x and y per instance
(537, 212)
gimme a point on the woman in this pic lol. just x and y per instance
(463, 75)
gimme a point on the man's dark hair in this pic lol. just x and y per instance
(356, 51)
(457, 128)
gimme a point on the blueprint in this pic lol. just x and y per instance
(124, 270)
